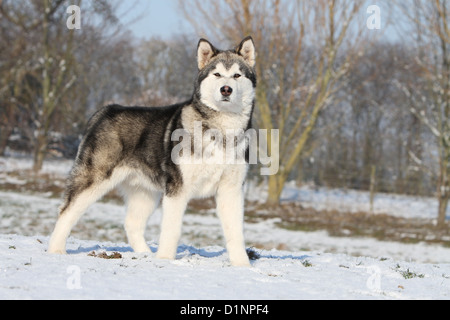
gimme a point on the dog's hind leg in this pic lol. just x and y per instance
(76, 206)
(141, 204)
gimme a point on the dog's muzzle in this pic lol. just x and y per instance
(226, 91)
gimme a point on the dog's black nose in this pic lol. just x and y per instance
(226, 91)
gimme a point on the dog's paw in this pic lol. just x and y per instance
(56, 251)
(240, 263)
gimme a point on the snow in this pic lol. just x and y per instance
(28, 272)
(294, 264)
(322, 198)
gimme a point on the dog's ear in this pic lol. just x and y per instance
(247, 50)
(205, 52)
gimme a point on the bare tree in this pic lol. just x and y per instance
(9, 47)
(430, 97)
(300, 63)
(50, 68)
(48, 65)
(164, 66)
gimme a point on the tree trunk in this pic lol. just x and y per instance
(443, 196)
(5, 133)
(443, 204)
(372, 187)
(40, 147)
(7, 126)
(40, 150)
(275, 189)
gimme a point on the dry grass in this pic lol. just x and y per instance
(361, 224)
(291, 216)
(383, 227)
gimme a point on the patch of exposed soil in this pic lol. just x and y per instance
(104, 255)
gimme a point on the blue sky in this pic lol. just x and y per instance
(153, 18)
(162, 18)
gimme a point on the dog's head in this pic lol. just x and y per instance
(227, 80)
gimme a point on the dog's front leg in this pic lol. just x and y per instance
(230, 209)
(173, 210)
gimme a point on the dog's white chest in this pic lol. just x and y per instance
(216, 163)
(201, 180)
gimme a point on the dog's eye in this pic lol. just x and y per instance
(237, 76)
(217, 75)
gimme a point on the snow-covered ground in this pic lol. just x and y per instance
(28, 272)
(309, 196)
(355, 201)
(32, 215)
(293, 264)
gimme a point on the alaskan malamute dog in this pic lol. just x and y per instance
(131, 147)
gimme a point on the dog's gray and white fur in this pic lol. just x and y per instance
(130, 148)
